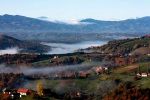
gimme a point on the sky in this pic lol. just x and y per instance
(77, 9)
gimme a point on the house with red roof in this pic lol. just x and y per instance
(23, 91)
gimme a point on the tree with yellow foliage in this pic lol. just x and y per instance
(39, 88)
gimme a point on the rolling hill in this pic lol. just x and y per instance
(7, 42)
(125, 46)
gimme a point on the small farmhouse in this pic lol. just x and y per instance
(143, 74)
(23, 91)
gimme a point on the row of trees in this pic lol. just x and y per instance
(21, 58)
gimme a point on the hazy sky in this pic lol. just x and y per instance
(77, 9)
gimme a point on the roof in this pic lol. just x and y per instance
(22, 90)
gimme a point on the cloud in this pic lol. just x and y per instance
(70, 22)
(75, 22)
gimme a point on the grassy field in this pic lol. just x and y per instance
(144, 67)
(127, 73)
(126, 69)
(143, 83)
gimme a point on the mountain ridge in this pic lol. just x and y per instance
(22, 27)
(18, 22)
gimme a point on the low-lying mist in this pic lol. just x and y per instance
(58, 48)
(45, 70)
(62, 48)
(13, 50)
(61, 85)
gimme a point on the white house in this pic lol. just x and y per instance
(144, 75)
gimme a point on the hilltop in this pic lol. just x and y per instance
(125, 46)
(7, 42)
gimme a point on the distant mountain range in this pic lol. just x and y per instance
(31, 28)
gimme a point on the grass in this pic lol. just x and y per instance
(72, 84)
(86, 84)
(122, 77)
(126, 73)
(143, 83)
(44, 62)
(47, 62)
(144, 67)
(126, 69)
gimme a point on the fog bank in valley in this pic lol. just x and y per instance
(62, 48)
(45, 70)
(14, 50)
(58, 48)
